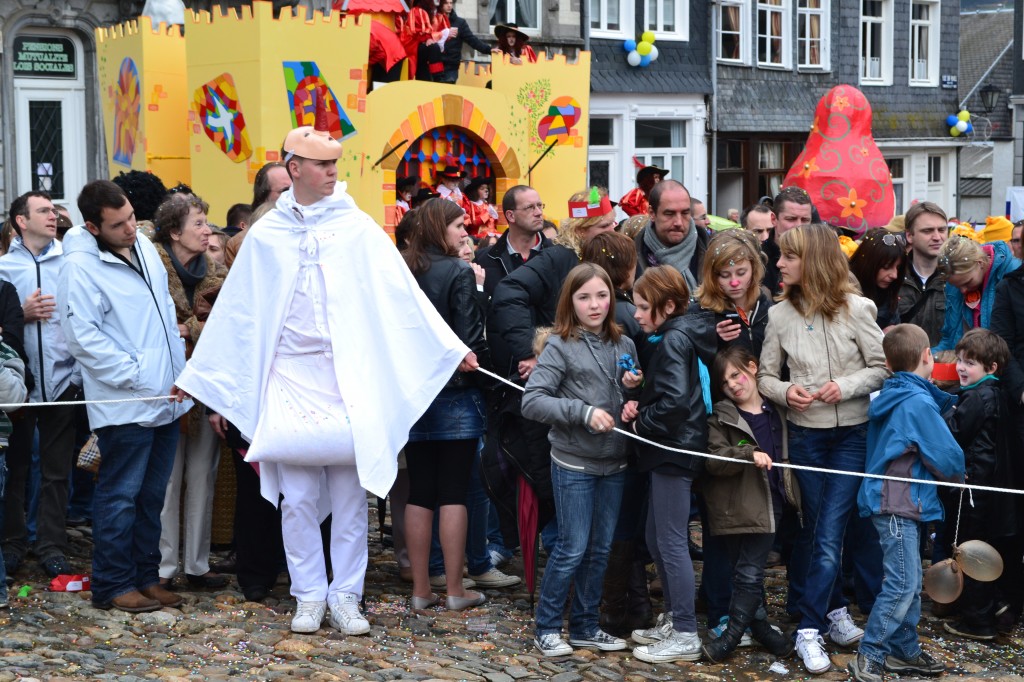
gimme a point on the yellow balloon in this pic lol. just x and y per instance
(647, 37)
(979, 560)
(944, 582)
(644, 48)
(952, 131)
(964, 115)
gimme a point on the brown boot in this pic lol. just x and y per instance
(134, 602)
(162, 595)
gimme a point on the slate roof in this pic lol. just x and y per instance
(984, 37)
(675, 71)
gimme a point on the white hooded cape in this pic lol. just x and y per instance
(393, 352)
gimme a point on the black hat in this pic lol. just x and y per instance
(476, 183)
(451, 172)
(423, 195)
(502, 29)
(647, 171)
(407, 184)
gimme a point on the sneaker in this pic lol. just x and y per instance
(308, 616)
(552, 644)
(863, 669)
(679, 646)
(440, 582)
(811, 649)
(345, 616)
(1006, 618)
(661, 630)
(982, 633)
(495, 578)
(57, 565)
(842, 630)
(746, 640)
(599, 639)
(923, 664)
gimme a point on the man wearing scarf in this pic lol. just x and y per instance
(671, 238)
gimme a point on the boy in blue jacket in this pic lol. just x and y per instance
(908, 438)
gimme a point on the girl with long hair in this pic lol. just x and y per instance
(880, 264)
(825, 334)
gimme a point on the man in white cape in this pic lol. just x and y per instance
(323, 351)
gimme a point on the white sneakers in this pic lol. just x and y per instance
(345, 615)
(661, 630)
(678, 646)
(842, 630)
(308, 616)
(552, 644)
(811, 649)
(495, 578)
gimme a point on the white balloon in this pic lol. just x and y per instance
(654, 53)
(961, 126)
(633, 59)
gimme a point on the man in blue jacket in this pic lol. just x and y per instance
(120, 325)
(32, 264)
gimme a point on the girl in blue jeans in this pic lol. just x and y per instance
(826, 336)
(577, 387)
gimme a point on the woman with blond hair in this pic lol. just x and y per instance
(825, 334)
(973, 271)
(731, 289)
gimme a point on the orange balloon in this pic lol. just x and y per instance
(979, 560)
(944, 581)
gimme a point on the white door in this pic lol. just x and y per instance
(50, 144)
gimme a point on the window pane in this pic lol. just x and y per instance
(599, 173)
(46, 142)
(919, 11)
(652, 14)
(677, 168)
(730, 155)
(601, 132)
(653, 134)
(613, 15)
(595, 13)
(934, 169)
(872, 8)
(668, 17)
(896, 168)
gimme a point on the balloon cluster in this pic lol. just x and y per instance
(960, 123)
(642, 53)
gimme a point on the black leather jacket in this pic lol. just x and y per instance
(497, 262)
(450, 285)
(671, 406)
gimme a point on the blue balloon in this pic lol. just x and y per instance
(970, 127)
(630, 45)
(951, 120)
(645, 60)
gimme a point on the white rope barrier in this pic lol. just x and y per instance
(787, 465)
(628, 434)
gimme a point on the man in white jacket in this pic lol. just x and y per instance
(32, 265)
(334, 353)
(120, 325)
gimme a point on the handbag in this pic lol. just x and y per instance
(89, 456)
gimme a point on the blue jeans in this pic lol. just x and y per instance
(828, 501)
(478, 560)
(587, 508)
(133, 475)
(892, 626)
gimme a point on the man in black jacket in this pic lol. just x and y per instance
(523, 239)
(451, 58)
(672, 238)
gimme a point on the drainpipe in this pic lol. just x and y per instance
(585, 21)
(713, 66)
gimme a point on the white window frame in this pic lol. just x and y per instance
(682, 20)
(599, 20)
(743, 36)
(663, 156)
(933, 26)
(903, 181)
(803, 19)
(783, 10)
(884, 76)
(510, 16)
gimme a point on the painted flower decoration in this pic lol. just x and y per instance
(810, 166)
(841, 102)
(852, 205)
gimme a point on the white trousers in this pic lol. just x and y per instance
(195, 463)
(303, 546)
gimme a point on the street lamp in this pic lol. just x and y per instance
(989, 98)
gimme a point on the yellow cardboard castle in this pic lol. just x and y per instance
(242, 81)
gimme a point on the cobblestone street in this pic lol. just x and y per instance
(215, 635)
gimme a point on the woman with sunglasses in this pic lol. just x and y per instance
(880, 264)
